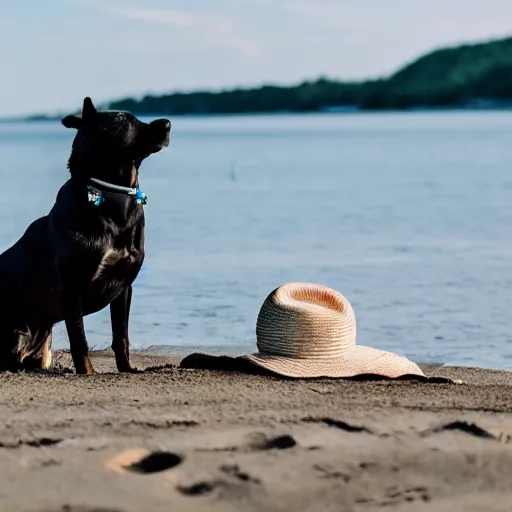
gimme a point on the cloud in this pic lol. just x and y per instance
(172, 17)
(208, 27)
(323, 12)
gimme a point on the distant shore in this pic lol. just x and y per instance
(326, 112)
(469, 76)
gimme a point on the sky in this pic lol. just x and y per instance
(55, 52)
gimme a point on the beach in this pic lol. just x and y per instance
(185, 439)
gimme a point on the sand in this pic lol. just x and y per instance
(187, 439)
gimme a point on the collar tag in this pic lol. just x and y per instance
(94, 196)
(140, 197)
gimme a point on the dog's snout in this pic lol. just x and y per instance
(159, 133)
(162, 124)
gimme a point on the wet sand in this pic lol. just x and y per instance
(186, 439)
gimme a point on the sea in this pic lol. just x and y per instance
(409, 215)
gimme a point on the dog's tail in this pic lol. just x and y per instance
(35, 346)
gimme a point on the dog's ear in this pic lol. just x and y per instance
(88, 116)
(73, 122)
(88, 111)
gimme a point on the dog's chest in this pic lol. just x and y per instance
(113, 259)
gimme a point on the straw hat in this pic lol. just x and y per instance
(306, 330)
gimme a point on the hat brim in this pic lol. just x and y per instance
(360, 360)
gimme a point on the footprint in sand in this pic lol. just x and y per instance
(462, 426)
(234, 482)
(79, 508)
(144, 462)
(333, 423)
(259, 441)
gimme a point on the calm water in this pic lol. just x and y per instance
(408, 215)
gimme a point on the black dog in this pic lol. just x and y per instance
(86, 253)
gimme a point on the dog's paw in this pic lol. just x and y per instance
(130, 369)
(86, 371)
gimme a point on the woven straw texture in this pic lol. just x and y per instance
(306, 330)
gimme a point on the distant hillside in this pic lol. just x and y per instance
(464, 76)
(451, 77)
(467, 76)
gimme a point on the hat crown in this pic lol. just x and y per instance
(305, 320)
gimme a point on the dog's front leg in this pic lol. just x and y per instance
(119, 314)
(73, 317)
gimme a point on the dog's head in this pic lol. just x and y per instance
(111, 145)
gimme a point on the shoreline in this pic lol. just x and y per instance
(342, 111)
(184, 439)
(174, 354)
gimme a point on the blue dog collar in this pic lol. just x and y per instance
(95, 195)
